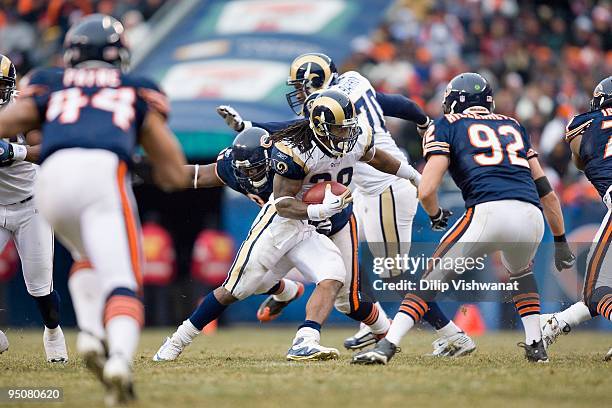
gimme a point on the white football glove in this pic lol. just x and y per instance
(332, 204)
(231, 117)
(421, 129)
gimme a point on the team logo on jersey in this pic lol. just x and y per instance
(280, 167)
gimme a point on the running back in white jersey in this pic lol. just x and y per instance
(314, 166)
(17, 180)
(367, 179)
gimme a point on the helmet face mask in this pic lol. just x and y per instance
(8, 80)
(250, 159)
(334, 122)
(253, 177)
(309, 73)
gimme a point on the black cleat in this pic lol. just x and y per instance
(535, 352)
(270, 308)
(381, 354)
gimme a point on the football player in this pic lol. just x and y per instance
(385, 205)
(92, 118)
(590, 139)
(325, 147)
(22, 223)
(490, 159)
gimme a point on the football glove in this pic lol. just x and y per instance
(439, 222)
(231, 117)
(332, 204)
(323, 227)
(564, 258)
(421, 129)
(7, 154)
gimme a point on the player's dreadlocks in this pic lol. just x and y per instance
(297, 135)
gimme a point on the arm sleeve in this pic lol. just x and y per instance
(398, 106)
(437, 139)
(287, 163)
(273, 127)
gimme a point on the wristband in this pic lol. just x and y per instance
(19, 152)
(195, 176)
(560, 238)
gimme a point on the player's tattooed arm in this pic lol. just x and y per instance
(383, 161)
(206, 176)
(164, 153)
(285, 190)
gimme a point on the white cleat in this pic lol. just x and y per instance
(170, 350)
(55, 345)
(309, 349)
(456, 345)
(93, 352)
(608, 356)
(552, 328)
(118, 378)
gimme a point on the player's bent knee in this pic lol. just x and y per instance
(225, 297)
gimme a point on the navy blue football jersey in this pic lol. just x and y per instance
(225, 172)
(92, 108)
(595, 147)
(488, 156)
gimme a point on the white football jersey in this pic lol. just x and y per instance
(367, 179)
(17, 180)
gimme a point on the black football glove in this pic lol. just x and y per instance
(422, 129)
(564, 258)
(439, 222)
(323, 227)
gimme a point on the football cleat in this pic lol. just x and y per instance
(552, 328)
(364, 337)
(94, 353)
(381, 354)
(608, 356)
(456, 345)
(170, 350)
(118, 377)
(309, 349)
(535, 352)
(271, 308)
(55, 345)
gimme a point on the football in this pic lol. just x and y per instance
(316, 193)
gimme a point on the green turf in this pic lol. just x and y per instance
(246, 368)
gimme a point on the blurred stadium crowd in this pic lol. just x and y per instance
(543, 59)
(31, 31)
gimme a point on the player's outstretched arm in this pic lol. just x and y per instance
(399, 106)
(18, 117)
(204, 176)
(383, 161)
(430, 182)
(564, 258)
(164, 152)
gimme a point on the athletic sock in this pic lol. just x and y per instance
(287, 291)
(49, 309)
(379, 322)
(448, 330)
(87, 298)
(123, 320)
(309, 329)
(527, 303)
(185, 333)
(601, 301)
(435, 317)
(575, 314)
(402, 323)
(208, 310)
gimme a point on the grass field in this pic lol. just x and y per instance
(245, 367)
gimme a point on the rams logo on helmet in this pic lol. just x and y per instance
(309, 73)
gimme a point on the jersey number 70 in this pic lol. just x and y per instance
(484, 136)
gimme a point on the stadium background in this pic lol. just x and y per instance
(543, 59)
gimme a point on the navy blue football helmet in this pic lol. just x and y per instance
(602, 95)
(309, 73)
(97, 37)
(251, 159)
(467, 90)
(333, 121)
